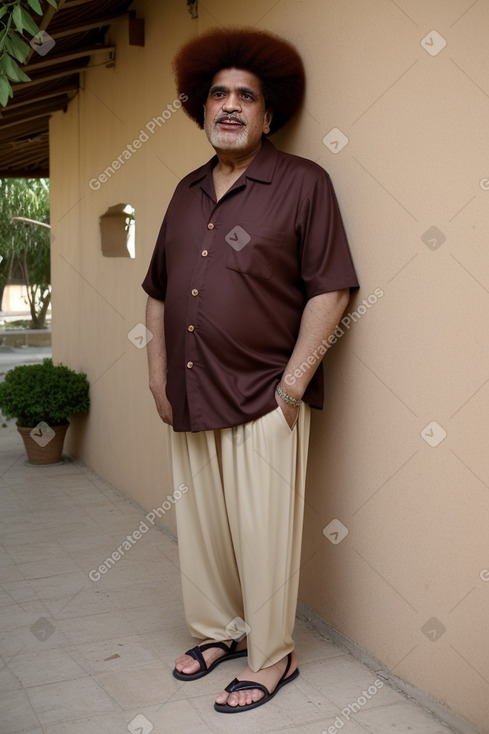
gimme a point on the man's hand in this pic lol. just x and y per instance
(163, 405)
(289, 411)
(318, 322)
(156, 349)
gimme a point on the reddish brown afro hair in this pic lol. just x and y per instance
(272, 59)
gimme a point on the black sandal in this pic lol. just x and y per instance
(246, 685)
(196, 654)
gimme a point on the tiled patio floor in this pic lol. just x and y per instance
(82, 656)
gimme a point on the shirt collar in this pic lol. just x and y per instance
(261, 167)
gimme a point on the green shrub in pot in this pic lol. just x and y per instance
(42, 397)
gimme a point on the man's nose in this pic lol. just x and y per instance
(231, 103)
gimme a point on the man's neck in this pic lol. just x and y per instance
(229, 164)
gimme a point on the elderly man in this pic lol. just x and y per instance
(250, 275)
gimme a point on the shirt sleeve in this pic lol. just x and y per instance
(155, 282)
(326, 262)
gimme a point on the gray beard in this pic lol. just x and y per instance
(227, 141)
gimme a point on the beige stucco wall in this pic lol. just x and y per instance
(416, 159)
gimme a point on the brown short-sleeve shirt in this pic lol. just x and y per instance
(235, 276)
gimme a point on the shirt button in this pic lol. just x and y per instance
(204, 253)
(195, 292)
(190, 365)
(190, 328)
(210, 226)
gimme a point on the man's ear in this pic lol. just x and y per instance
(267, 121)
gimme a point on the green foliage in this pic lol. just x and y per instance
(43, 392)
(18, 324)
(15, 21)
(25, 247)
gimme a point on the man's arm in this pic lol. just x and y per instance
(319, 320)
(157, 358)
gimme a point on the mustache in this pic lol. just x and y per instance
(229, 116)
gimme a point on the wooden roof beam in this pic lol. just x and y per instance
(41, 79)
(68, 4)
(27, 173)
(21, 117)
(88, 26)
(63, 58)
(67, 89)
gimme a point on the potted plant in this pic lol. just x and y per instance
(42, 397)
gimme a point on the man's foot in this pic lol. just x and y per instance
(187, 666)
(269, 677)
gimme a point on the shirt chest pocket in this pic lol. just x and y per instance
(253, 251)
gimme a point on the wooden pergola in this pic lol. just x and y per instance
(80, 31)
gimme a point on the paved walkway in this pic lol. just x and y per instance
(12, 356)
(84, 654)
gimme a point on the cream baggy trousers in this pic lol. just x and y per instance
(240, 530)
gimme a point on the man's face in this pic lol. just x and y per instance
(235, 112)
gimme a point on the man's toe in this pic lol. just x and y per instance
(223, 698)
(187, 665)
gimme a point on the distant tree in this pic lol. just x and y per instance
(25, 245)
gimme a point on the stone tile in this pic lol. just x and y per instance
(85, 602)
(22, 473)
(343, 681)
(76, 535)
(154, 618)
(46, 666)
(23, 639)
(171, 643)
(55, 566)
(125, 572)
(16, 616)
(39, 550)
(166, 718)
(8, 681)
(304, 705)
(104, 626)
(16, 713)
(135, 596)
(23, 522)
(120, 653)
(176, 716)
(404, 717)
(19, 591)
(10, 541)
(10, 571)
(138, 687)
(171, 552)
(104, 724)
(312, 646)
(62, 585)
(67, 700)
(335, 726)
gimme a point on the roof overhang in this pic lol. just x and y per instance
(79, 30)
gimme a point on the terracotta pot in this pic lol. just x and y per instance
(43, 443)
